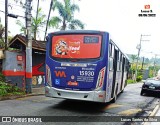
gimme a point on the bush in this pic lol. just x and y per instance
(9, 89)
(139, 78)
(129, 81)
(2, 77)
(3, 91)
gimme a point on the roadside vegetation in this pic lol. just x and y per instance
(7, 89)
(146, 68)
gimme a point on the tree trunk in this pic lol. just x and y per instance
(35, 34)
(64, 25)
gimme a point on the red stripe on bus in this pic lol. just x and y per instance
(12, 73)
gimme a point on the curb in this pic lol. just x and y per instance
(18, 96)
(155, 110)
(152, 114)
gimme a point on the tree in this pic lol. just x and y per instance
(2, 32)
(38, 22)
(35, 23)
(133, 57)
(65, 19)
(22, 27)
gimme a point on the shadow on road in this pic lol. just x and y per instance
(151, 94)
(81, 106)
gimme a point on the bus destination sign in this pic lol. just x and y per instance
(91, 39)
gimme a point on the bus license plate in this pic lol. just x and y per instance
(151, 87)
(72, 83)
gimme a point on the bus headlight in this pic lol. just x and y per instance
(48, 76)
(100, 80)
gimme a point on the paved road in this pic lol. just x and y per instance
(129, 103)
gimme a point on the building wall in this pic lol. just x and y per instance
(14, 69)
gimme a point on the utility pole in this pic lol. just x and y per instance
(139, 50)
(28, 47)
(6, 24)
(154, 70)
(142, 62)
(48, 18)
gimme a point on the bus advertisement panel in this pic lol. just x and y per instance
(76, 46)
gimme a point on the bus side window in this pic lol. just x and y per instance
(118, 60)
(118, 55)
(110, 64)
(125, 65)
(110, 50)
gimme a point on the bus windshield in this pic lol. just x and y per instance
(76, 46)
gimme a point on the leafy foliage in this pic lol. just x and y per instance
(65, 20)
(2, 31)
(133, 57)
(22, 27)
(2, 78)
(129, 81)
(36, 24)
(139, 78)
(8, 89)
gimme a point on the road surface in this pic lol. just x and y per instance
(129, 103)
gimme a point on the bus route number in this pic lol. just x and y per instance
(86, 73)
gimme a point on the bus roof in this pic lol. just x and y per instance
(78, 31)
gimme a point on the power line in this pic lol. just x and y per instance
(10, 4)
(13, 15)
(15, 5)
(2, 11)
(15, 8)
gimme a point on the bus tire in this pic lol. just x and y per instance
(115, 96)
(122, 91)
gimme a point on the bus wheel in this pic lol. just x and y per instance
(122, 91)
(115, 96)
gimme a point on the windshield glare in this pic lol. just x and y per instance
(153, 81)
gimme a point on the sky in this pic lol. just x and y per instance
(118, 17)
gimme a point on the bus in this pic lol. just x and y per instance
(84, 65)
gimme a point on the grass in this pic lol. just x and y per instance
(130, 81)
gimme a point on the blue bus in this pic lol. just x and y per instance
(84, 65)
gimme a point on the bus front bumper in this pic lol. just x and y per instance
(96, 96)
